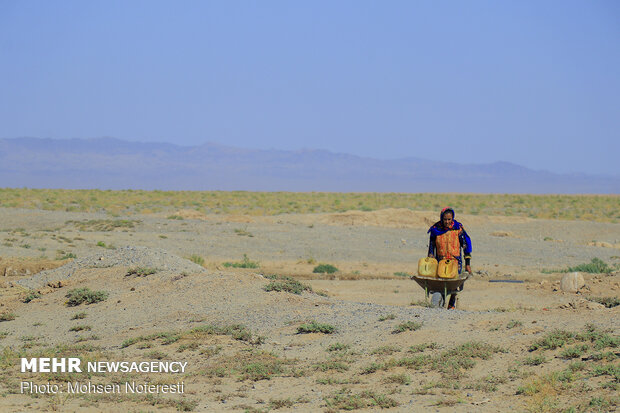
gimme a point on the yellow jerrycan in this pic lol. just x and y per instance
(427, 267)
(448, 269)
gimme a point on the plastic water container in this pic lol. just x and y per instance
(427, 267)
(448, 269)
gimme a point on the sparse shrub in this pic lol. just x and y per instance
(184, 405)
(80, 328)
(166, 338)
(78, 296)
(385, 350)
(602, 404)
(189, 346)
(63, 256)
(402, 274)
(487, 384)
(596, 266)
(553, 340)
(287, 284)
(280, 403)
(31, 296)
(314, 327)
(574, 352)
(263, 370)
(346, 400)
(606, 340)
(81, 339)
(103, 225)
(451, 363)
(245, 263)
(373, 367)
(387, 317)
(608, 302)
(599, 338)
(7, 316)
(210, 351)
(141, 271)
(577, 366)
(407, 326)
(608, 370)
(197, 259)
(156, 354)
(513, 324)
(325, 269)
(331, 365)
(608, 356)
(421, 347)
(180, 276)
(398, 379)
(177, 217)
(236, 331)
(243, 232)
(535, 360)
(338, 347)
(79, 316)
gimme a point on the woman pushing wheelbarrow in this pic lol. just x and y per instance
(447, 239)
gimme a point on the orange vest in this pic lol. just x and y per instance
(448, 245)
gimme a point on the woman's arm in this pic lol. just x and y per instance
(431, 246)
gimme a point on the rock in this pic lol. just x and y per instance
(572, 282)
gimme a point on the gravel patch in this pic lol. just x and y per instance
(129, 256)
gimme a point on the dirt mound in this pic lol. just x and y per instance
(15, 267)
(129, 256)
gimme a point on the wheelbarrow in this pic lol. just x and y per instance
(440, 288)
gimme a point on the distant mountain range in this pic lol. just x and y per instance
(107, 163)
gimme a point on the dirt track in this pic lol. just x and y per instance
(368, 248)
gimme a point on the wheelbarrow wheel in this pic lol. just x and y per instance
(437, 300)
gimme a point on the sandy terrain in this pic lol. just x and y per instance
(480, 357)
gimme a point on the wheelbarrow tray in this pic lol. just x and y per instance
(442, 285)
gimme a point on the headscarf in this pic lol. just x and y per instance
(443, 211)
(438, 229)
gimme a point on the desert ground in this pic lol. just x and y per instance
(202, 289)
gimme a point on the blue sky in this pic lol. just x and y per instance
(530, 82)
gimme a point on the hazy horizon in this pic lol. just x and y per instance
(301, 150)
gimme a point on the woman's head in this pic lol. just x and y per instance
(447, 217)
